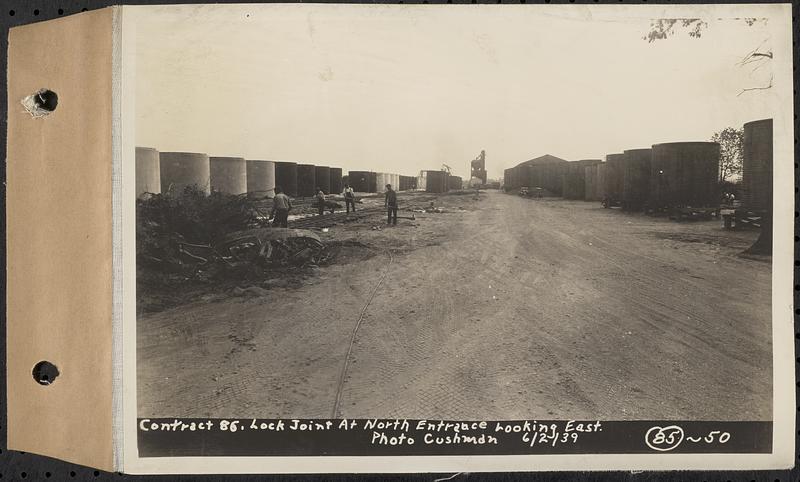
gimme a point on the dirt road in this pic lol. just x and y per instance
(510, 309)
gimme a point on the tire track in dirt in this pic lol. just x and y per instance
(483, 382)
(347, 356)
(559, 351)
(403, 348)
(514, 315)
(656, 290)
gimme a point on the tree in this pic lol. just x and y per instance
(662, 28)
(731, 152)
(755, 59)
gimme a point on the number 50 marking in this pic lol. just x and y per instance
(723, 436)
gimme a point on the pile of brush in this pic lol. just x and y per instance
(199, 234)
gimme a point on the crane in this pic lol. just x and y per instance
(445, 167)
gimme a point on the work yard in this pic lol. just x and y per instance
(497, 307)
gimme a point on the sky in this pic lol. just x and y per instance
(400, 88)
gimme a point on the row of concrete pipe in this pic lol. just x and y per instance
(675, 173)
(171, 172)
(680, 173)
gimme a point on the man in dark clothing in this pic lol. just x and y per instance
(391, 205)
(349, 198)
(320, 201)
(281, 204)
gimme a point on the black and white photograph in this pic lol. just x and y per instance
(460, 229)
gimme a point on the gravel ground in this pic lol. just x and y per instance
(498, 308)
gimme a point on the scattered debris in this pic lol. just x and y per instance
(329, 205)
(177, 229)
(430, 209)
(249, 291)
(192, 246)
(191, 243)
(275, 283)
(272, 246)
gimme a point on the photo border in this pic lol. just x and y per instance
(782, 405)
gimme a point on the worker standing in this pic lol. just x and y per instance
(390, 202)
(349, 198)
(281, 204)
(320, 201)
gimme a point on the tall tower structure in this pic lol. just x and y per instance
(478, 170)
